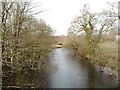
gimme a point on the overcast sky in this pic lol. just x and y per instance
(59, 13)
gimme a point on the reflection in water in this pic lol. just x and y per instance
(68, 72)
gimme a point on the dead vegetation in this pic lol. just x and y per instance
(25, 41)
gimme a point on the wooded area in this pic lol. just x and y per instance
(25, 41)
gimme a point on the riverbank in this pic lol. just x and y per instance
(25, 79)
(103, 69)
(105, 58)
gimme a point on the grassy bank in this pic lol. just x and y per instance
(105, 55)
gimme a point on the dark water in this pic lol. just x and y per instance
(68, 72)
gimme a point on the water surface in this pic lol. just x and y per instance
(69, 72)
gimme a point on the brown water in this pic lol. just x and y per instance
(68, 72)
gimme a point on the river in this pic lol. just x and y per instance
(68, 72)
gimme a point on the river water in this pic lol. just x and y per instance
(68, 72)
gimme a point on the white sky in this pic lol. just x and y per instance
(59, 13)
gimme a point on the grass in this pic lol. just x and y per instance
(109, 54)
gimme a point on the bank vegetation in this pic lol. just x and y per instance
(26, 42)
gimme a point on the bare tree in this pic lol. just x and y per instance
(93, 24)
(26, 41)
